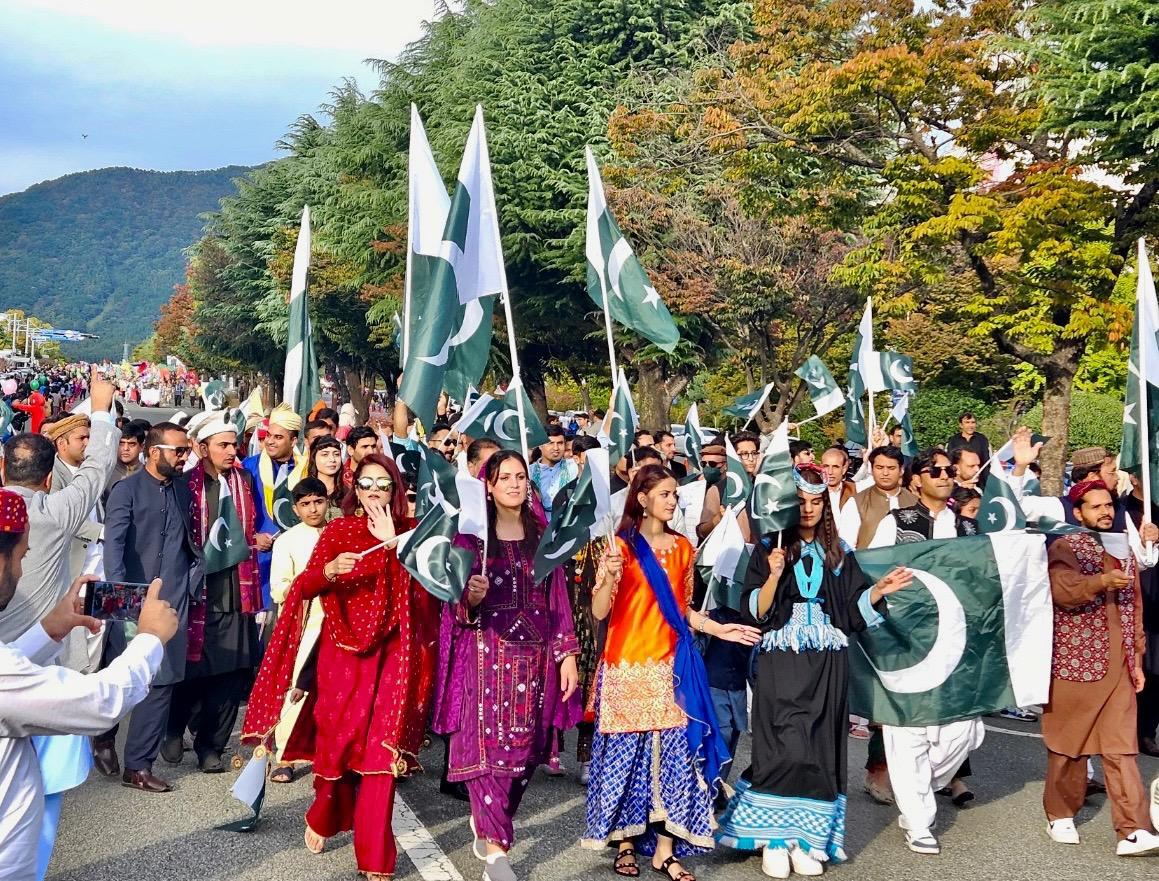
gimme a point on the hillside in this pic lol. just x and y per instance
(100, 251)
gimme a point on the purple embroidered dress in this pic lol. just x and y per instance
(498, 695)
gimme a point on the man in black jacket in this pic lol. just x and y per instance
(148, 534)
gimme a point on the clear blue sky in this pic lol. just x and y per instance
(171, 85)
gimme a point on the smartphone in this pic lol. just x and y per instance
(114, 600)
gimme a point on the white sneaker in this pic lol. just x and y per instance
(923, 842)
(478, 845)
(775, 862)
(1138, 843)
(1063, 831)
(1155, 803)
(803, 864)
(585, 773)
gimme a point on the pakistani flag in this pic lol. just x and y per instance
(866, 361)
(1000, 509)
(971, 635)
(773, 502)
(621, 422)
(573, 523)
(616, 280)
(747, 406)
(427, 552)
(1141, 420)
(822, 388)
(283, 500)
(213, 394)
(693, 438)
(250, 790)
(427, 208)
(900, 414)
(897, 371)
(723, 562)
(498, 419)
(225, 543)
(448, 326)
(302, 386)
(435, 483)
(738, 486)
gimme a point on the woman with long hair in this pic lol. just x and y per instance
(325, 463)
(806, 592)
(507, 665)
(658, 752)
(375, 669)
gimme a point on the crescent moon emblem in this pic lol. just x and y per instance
(472, 318)
(739, 486)
(1007, 507)
(571, 543)
(282, 521)
(423, 555)
(949, 645)
(440, 358)
(214, 531)
(904, 378)
(501, 420)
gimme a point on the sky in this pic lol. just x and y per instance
(170, 85)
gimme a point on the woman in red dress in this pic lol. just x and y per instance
(375, 671)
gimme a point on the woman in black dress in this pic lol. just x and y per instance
(807, 596)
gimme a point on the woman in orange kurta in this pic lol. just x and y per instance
(657, 750)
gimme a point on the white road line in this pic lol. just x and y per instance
(998, 730)
(420, 846)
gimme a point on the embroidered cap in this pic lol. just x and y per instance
(1083, 487)
(13, 513)
(1088, 456)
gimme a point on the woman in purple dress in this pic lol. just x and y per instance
(507, 667)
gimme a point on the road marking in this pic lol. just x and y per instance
(420, 846)
(998, 730)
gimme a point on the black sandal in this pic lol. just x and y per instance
(282, 774)
(682, 875)
(626, 870)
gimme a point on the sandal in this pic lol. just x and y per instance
(626, 869)
(682, 875)
(282, 774)
(315, 843)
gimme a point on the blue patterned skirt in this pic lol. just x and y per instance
(642, 781)
(754, 820)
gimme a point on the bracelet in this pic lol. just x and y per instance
(703, 619)
(329, 578)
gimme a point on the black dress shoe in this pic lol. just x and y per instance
(1148, 746)
(172, 750)
(105, 759)
(211, 763)
(144, 781)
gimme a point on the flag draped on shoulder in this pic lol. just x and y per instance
(449, 327)
(773, 502)
(615, 279)
(821, 386)
(225, 543)
(302, 386)
(573, 523)
(972, 633)
(1141, 403)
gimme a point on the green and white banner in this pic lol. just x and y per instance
(1000, 509)
(821, 385)
(302, 386)
(773, 501)
(225, 543)
(427, 552)
(971, 635)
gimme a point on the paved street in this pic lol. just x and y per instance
(109, 832)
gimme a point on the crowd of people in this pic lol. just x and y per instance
(270, 544)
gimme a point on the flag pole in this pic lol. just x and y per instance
(1144, 434)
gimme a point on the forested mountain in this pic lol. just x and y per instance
(100, 251)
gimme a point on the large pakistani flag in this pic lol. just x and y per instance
(616, 280)
(773, 501)
(577, 522)
(1141, 405)
(302, 386)
(225, 543)
(449, 326)
(427, 552)
(971, 635)
(822, 388)
(427, 208)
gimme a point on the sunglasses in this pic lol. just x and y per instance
(180, 451)
(941, 471)
(369, 483)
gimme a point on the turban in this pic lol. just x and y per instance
(56, 430)
(286, 418)
(13, 513)
(1088, 456)
(1083, 487)
(216, 424)
(253, 421)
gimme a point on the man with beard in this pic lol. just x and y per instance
(1096, 671)
(149, 534)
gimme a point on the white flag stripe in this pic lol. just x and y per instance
(479, 271)
(596, 207)
(427, 194)
(868, 360)
(730, 549)
(1148, 312)
(1028, 611)
(472, 505)
(597, 460)
(830, 401)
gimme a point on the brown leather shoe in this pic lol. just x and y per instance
(105, 759)
(144, 781)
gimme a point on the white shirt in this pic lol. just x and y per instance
(36, 699)
(849, 521)
(945, 526)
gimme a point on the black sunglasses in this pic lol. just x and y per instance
(940, 471)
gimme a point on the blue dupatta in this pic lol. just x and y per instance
(689, 676)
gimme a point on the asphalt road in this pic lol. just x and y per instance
(110, 832)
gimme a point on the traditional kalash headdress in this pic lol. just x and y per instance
(813, 489)
(1083, 487)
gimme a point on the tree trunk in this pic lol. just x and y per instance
(1059, 372)
(357, 398)
(537, 391)
(586, 398)
(652, 401)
